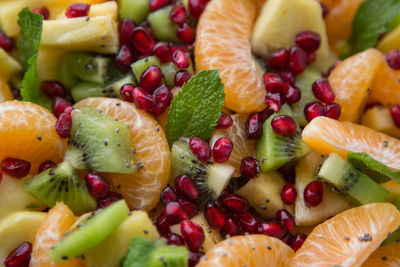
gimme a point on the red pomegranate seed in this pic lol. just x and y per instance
(42, 11)
(325, 10)
(297, 241)
(313, 193)
(127, 91)
(181, 59)
(141, 98)
(200, 148)
(110, 198)
(248, 221)
(68, 110)
(287, 239)
(265, 114)
(332, 111)
(392, 59)
(249, 167)
(308, 41)
(279, 59)
(185, 33)
(16, 93)
(162, 98)
(297, 60)
(126, 27)
(322, 90)
(63, 125)
(284, 125)
(52, 89)
(395, 112)
(175, 239)
(274, 101)
(228, 189)
(168, 195)
(273, 83)
(193, 234)
(58, 106)
(163, 52)
(374, 104)
(174, 212)
(235, 203)
(289, 172)
(313, 110)
(6, 42)
(194, 258)
(142, 39)
(286, 218)
(291, 93)
(254, 126)
(124, 57)
(151, 79)
(20, 256)
(222, 150)
(157, 4)
(189, 207)
(230, 228)
(17, 168)
(77, 10)
(311, 58)
(178, 14)
(288, 194)
(272, 228)
(225, 121)
(287, 77)
(46, 165)
(163, 225)
(215, 217)
(97, 186)
(196, 7)
(181, 77)
(186, 187)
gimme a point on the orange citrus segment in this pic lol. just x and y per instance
(386, 256)
(59, 219)
(142, 189)
(223, 42)
(348, 238)
(351, 82)
(326, 135)
(27, 131)
(249, 251)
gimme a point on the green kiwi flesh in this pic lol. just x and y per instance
(134, 9)
(89, 232)
(163, 28)
(170, 69)
(61, 184)
(99, 143)
(171, 256)
(139, 66)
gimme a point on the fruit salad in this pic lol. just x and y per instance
(182, 133)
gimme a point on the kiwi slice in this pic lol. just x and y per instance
(170, 69)
(61, 183)
(163, 28)
(64, 74)
(274, 151)
(139, 66)
(373, 168)
(211, 178)
(99, 143)
(88, 67)
(89, 232)
(134, 9)
(171, 256)
(350, 181)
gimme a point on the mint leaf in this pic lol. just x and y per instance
(371, 20)
(197, 107)
(139, 253)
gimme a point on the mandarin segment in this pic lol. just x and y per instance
(386, 256)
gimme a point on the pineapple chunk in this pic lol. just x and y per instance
(379, 119)
(8, 65)
(393, 188)
(332, 204)
(48, 63)
(390, 41)
(5, 94)
(104, 9)
(281, 20)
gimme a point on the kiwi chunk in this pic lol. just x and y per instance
(61, 184)
(163, 28)
(99, 143)
(373, 168)
(211, 178)
(64, 74)
(274, 151)
(89, 232)
(172, 256)
(139, 66)
(134, 9)
(170, 69)
(350, 181)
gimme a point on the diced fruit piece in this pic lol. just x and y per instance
(94, 229)
(170, 70)
(142, 39)
(171, 255)
(332, 202)
(278, 16)
(89, 68)
(384, 256)
(99, 143)
(211, 179)
(361, 188)
(390, 41)
(338, 242)
(8, 65)
(163, 28)
(134, 9)
(104, 8)
(5, 91)
(379, 119)
(263, 194)
(138, 67)
(20, 256)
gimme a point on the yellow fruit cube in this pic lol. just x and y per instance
(103, 9)
(8, 65)
(390, 41)
(379, 119)
(5, 94)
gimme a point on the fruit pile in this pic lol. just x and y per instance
(199, 133)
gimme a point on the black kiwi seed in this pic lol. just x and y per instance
(64, 257)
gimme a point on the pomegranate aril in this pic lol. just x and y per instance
(110, 198)
(77, 10)
(313, 193)
(274, 101)
(182, 77)
(235, 203)
(17, 168)
(142, 39)
(157, 4)
(322, 90)
(168, 195)
(163, 52)
(287, 238)
(297, 60)
(222, 150)
(126, 27)
(189, 207)
(313, 110)
(63, 125)
(142, 99)
(325, 10)
(284, 125)
(392, 58)
(97, 186)
(6, 42)
(175, 239)
(193, 234)
(196, 7)
(58, 106)
(288, 194)
(174, 212)
(224, 122)
(332, 111)
(272, 228)
(20, 256)
(297, 241)
(287, 77)
(200, 148)
(395, 112)
(42, 11)
(311, 58)
(185, 33)
(178, 14)
(15, 92)
(247, 221)
(308, 41)
(249, 167)
(127, 91)
(52, 89)
(162, 98)
(124, 57)
(194, 258)
(163, 225)
(186, 187)
(230, 228)
(151, 78)
(279, 59)
(273, 83)
(46, 165)
(291, 93)
(214, 215)
(254, 127)
(289, 173)
(285, 218)
(181, 59)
